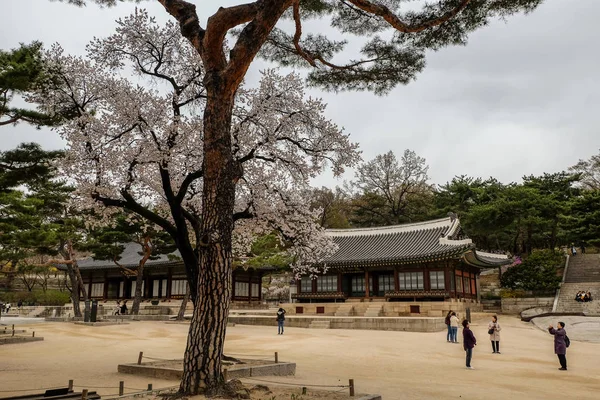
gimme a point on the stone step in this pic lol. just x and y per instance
(320, 325)
(345, 310)
(374, 310)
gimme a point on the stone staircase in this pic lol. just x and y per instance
(38, 311)
(374, 310)
(567, 303)
(345, 310)
(320, 324)
(583, 273)
(583, 268)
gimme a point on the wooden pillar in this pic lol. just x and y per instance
(367, 294)
(396, 280)
(426, 281)
(91, 278)
(313, 285)
(260, 279)
(169, 282)
(233, 280)
(339, 281)
(147, 288)
(105, 294)
(462, 278)
(250, 286)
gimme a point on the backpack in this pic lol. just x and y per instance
(567, 341)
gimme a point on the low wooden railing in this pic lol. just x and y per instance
(320, 295)
(417, 293)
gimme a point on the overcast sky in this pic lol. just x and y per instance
(523, 97)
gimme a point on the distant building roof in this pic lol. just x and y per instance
(409, 243)
(130, 258)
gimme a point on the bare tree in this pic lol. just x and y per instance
(392, 191)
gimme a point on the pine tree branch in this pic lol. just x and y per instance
(185, 13)
(385, 13)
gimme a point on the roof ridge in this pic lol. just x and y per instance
(378, 230)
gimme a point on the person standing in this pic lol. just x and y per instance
(454, 327)
(448, 326)
(560, 344)
(469, 342)
(494, 332)
(124, 307)
(280, 320)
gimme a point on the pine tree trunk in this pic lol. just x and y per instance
(202, 360)
(74, 292)
(182, 308)
(137, 298)
(84, 293)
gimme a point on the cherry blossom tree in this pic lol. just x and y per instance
(145, 149)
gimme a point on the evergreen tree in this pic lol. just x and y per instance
(21, 71)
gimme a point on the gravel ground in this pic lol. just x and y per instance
(397, 365)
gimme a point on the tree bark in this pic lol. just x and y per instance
(202, 360)
(182, 308)
(137, 298)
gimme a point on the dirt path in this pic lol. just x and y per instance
(398, 365)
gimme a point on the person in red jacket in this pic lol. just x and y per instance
(469, 342)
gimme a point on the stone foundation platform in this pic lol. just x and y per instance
(174, 369)
(408, 324)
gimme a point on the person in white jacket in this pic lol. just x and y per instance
(454, 326)
(494, 331)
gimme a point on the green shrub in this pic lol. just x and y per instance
(538, 272)
(37, 297)
(490, 296)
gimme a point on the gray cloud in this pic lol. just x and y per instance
(521, 98)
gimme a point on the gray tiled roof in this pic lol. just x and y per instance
(400, 243)
(130, 258)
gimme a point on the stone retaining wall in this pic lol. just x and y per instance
(388, 309)
(409, 324)
(515, 306)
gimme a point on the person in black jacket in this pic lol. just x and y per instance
(447, 322)
(469, 342)
(280, 320)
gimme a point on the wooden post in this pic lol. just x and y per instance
(276, 357)
(367, 292)
(149, 387)
(70, 385)
(351, 384)
(140, 358)
(33, 334)
(225, 375)
(121, 388)
(84, 394)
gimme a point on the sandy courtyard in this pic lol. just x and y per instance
(397, 365)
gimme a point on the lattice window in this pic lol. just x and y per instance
(178, 287)
(411, 280)
(436, 280)
(97, 290)
(386, 283)
(306, 284)
(327, 283)
(242, 289)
